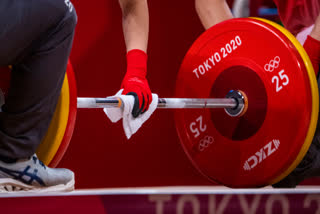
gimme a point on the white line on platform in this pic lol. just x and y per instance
(196, 190)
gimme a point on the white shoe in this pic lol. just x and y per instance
(32, 175)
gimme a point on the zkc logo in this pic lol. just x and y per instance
(261, 155)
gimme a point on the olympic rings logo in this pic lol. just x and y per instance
(273, 64)
(205, 143)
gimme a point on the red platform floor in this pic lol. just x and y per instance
(166, 200)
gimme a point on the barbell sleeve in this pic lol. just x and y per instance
(167, 103)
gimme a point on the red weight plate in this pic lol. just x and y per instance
(256, 58)
(71, 117)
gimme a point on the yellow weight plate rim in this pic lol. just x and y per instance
(51, 142)
(314, 95)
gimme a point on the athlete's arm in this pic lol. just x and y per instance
(212, 12)
(135, 21)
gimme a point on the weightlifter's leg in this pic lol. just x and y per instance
(36, 41)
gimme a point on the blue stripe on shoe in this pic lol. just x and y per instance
(18, 175)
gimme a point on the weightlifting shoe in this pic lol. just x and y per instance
(33, 176)
(309, 167)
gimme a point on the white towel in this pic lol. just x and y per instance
(130, 124)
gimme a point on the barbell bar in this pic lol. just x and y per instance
(167, 103)
(235, 103)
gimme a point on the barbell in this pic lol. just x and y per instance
(248, 104)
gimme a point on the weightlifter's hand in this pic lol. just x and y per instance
(135, 82)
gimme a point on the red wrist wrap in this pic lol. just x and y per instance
(136, 63)
(135, 82)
